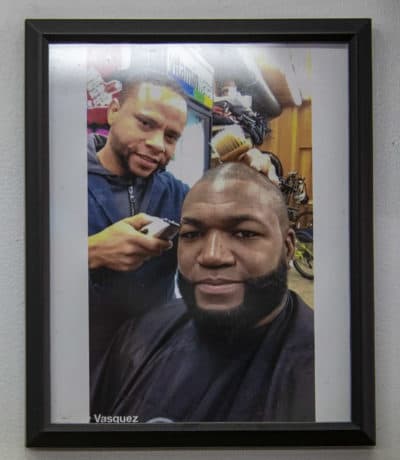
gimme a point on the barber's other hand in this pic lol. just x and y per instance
(261, 162)
(123, 247)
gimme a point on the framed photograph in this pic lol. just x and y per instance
(180, 177)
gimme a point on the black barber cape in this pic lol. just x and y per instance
(160, 367)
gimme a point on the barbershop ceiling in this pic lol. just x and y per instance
(276, 76)
(271, 76)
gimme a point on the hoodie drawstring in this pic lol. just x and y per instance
(132, 200)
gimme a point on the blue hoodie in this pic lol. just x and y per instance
(115, 296)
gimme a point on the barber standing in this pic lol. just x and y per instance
(131, 272)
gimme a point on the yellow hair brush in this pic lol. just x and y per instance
(230, 143)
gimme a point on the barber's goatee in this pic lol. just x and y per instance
(262, 296)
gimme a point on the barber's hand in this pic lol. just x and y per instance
(123, 247)
(260, 162)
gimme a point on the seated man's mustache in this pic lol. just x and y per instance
(262, 296)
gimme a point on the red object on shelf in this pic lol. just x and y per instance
(97, 115)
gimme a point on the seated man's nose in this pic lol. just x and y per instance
(215, 252)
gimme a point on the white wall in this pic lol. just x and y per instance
(386, 55)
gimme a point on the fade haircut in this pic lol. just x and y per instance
(131, 80)
(242, 172)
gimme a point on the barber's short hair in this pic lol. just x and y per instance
(242, 172)
(131, 79)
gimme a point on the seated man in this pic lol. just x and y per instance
(240, 345)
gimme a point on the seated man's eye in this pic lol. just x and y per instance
(243, 234)
(189, 235)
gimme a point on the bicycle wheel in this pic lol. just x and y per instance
(304, 220)
(303, 260)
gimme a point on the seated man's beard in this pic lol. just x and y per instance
(261, 296)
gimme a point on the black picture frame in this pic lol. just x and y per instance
(40, 432)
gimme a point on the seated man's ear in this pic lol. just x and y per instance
(289, 245)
